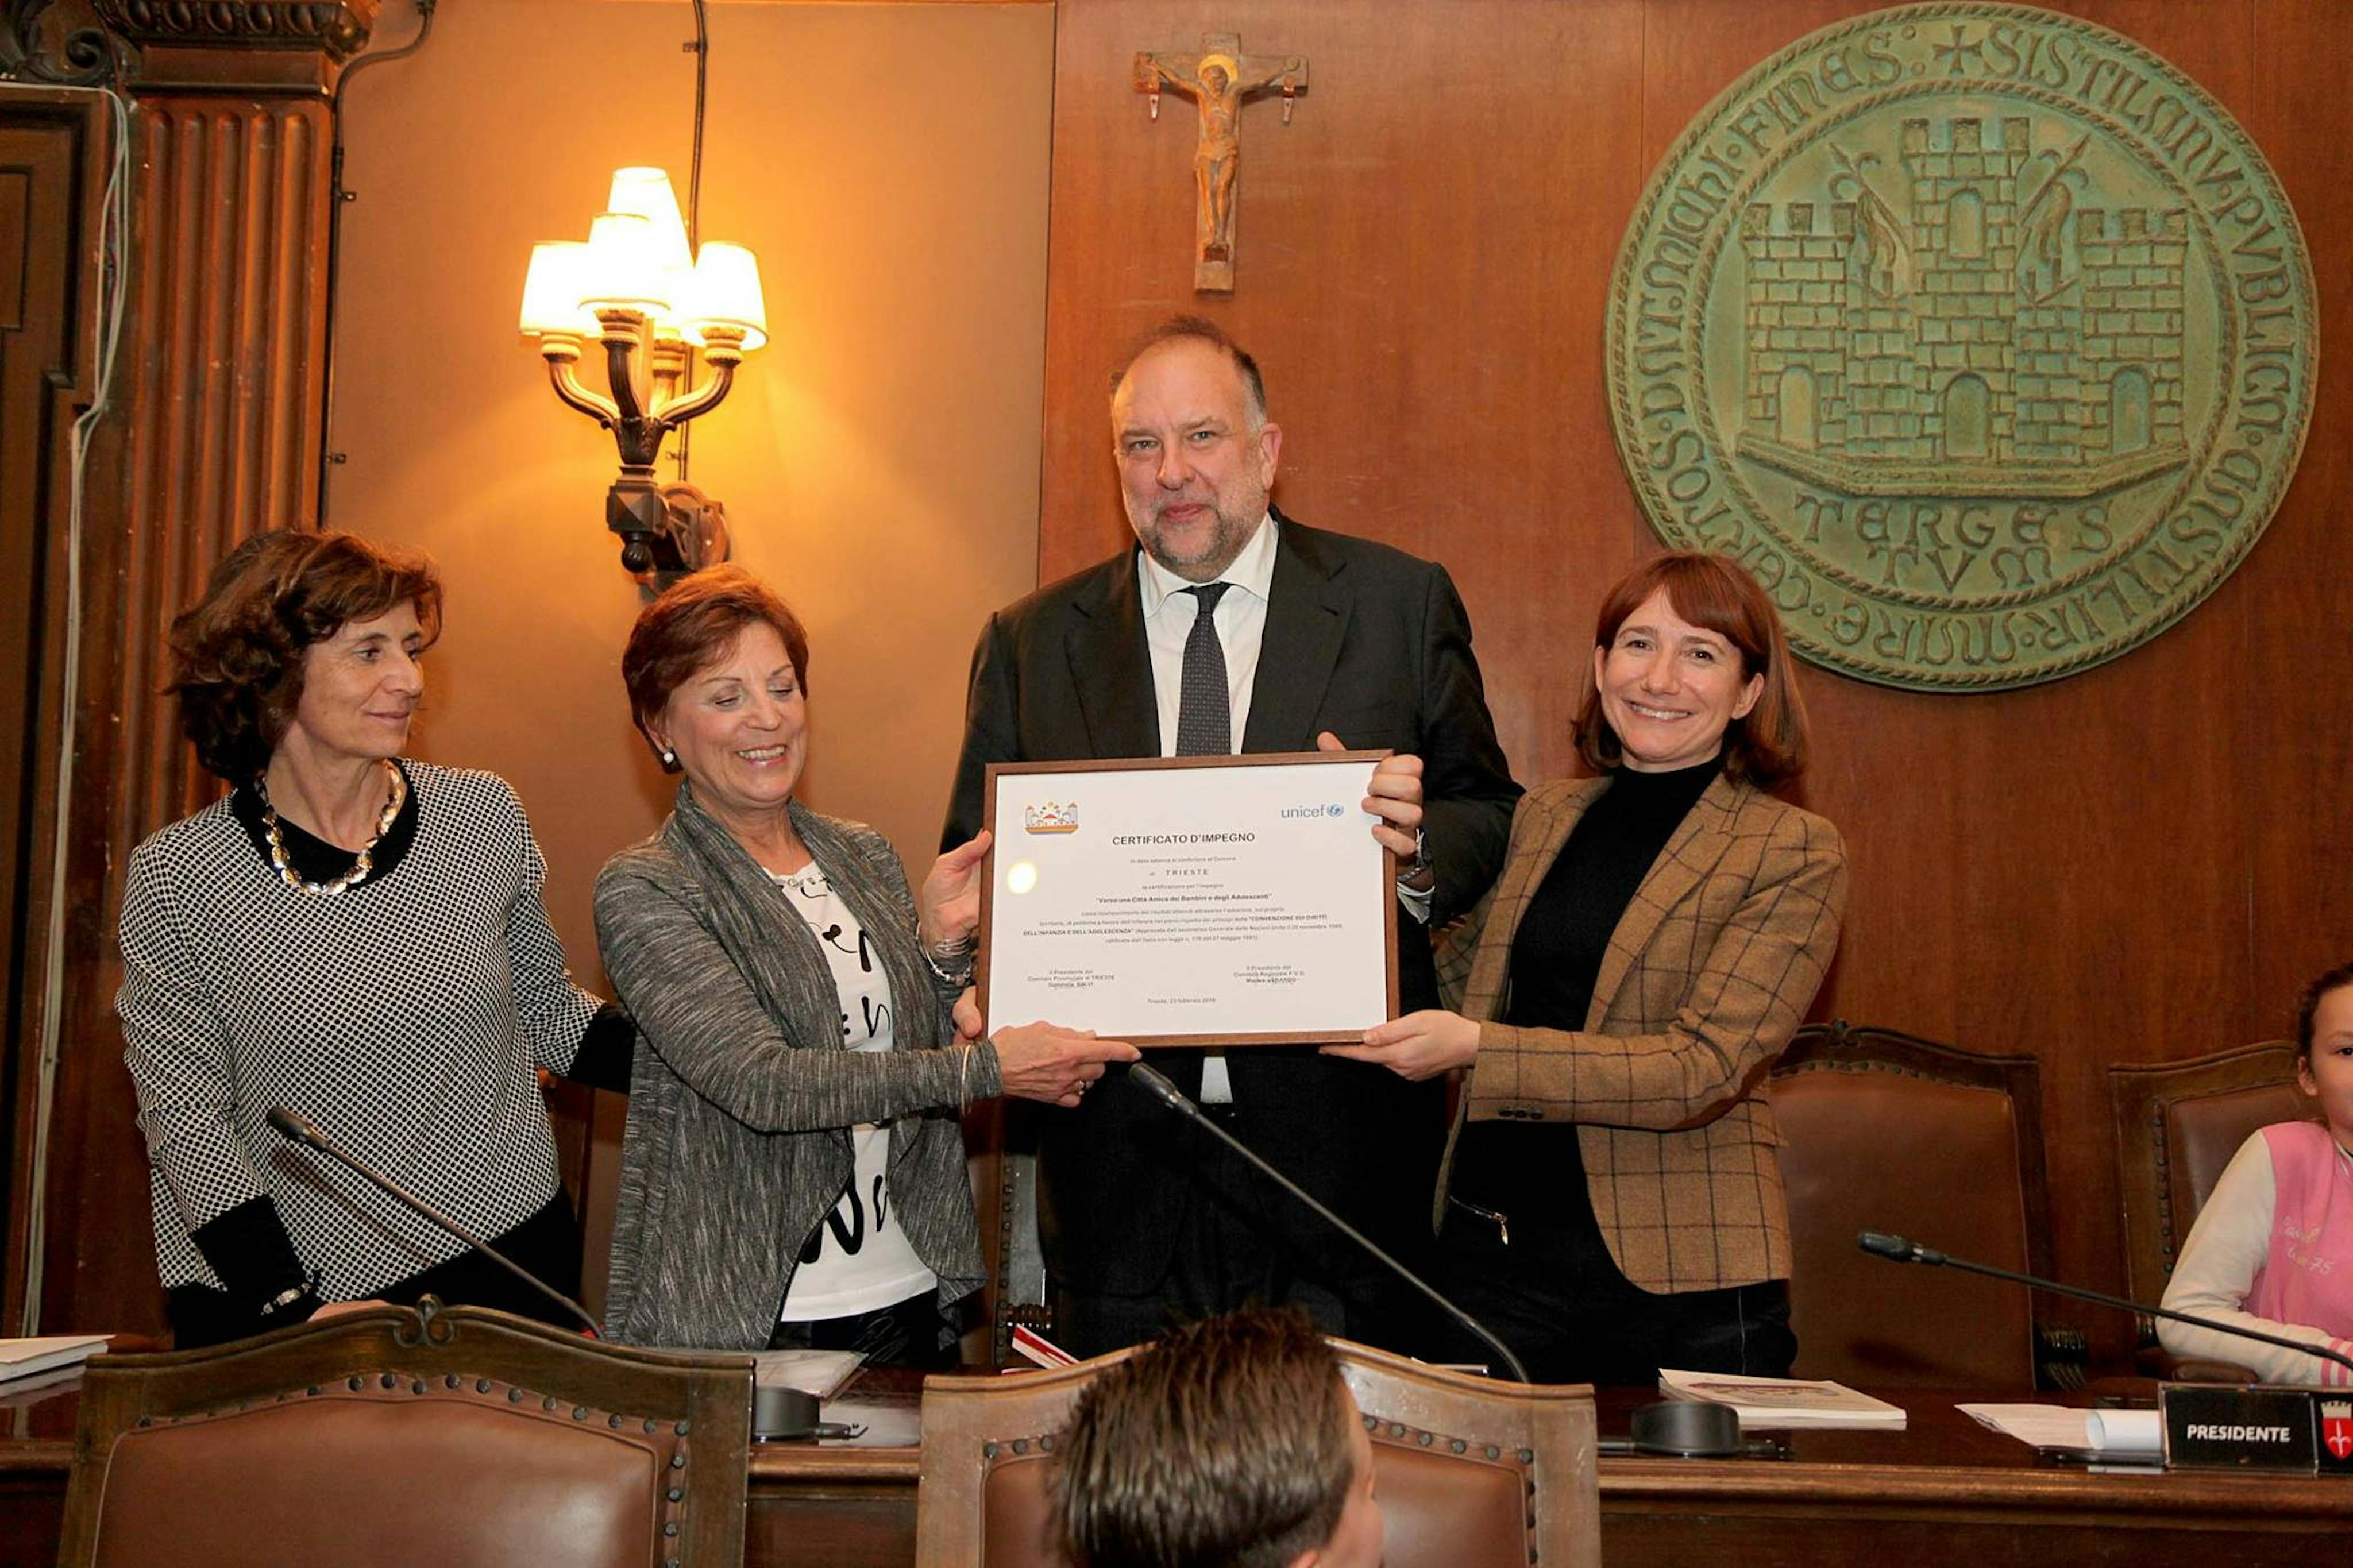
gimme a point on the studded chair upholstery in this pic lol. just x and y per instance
(401, 1436)
(1886, 1131)
(2177, 1124)
(1469, 1471)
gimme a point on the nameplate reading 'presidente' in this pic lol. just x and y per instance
(1190, 901)
(1981, 334)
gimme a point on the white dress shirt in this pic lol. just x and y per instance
(1240, 616)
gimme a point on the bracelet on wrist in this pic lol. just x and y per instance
(951, 960)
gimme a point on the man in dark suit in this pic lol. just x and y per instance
(1234, 629)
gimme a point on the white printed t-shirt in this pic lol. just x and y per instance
(858, 1259)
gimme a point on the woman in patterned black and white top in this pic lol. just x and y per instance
(355, 938)
(794, 1169)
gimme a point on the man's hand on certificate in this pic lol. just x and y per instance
(1418, 1046)
(1047, 1062)
(1395, 797)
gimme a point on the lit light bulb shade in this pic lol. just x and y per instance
(647, 194)
(726, 295)
(678, 288)
(552, 290)
(624, 268)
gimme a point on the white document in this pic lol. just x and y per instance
(2128, 1433)
(2109, 1434)
(1244, 901)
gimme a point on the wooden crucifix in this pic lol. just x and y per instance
(1218, 80)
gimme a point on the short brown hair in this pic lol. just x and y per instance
(1766, 748)
(693, 624)
(1221, 1443)
(2307, 1006)
(237, 652)
(1200, 329)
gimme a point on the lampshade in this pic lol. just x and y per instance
(624, 266)
(552, 290)
(646, 192)
(726, 293)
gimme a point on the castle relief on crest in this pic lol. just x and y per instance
(1981, 335)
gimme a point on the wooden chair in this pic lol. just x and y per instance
(1886, 1131)
(400, 1435)
(2177, 1124)
(1470, 1471)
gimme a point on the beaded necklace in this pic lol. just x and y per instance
(394, 798)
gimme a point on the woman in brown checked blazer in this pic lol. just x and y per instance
(1611, 1202)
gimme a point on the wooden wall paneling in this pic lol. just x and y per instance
(2295, 693)
(214, 436)
(53, 156)
(2141, 861)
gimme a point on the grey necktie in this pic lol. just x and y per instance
(1205, 717)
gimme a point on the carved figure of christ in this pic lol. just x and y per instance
(1217, 80)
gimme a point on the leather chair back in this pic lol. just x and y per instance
(1885, 1132)
(2177, 1124)
(401, 1436)
(1469, 1471)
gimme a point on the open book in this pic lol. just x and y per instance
(1765, 1402)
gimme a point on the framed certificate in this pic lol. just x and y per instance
(1190, 900)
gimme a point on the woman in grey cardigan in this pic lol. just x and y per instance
(794, 1169)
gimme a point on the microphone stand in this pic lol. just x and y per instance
(302, 1130)
(1169, 1095)
(1896, 1250)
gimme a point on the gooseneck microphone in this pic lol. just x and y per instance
(1897, 1249)
(1169, 1095)
(300, 1129)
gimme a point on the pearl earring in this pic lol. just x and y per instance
(669, 758)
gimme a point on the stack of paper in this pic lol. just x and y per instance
(1773, 1402)
(24, 1363)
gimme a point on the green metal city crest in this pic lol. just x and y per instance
(1982, 335)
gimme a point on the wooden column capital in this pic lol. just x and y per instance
(247, 45)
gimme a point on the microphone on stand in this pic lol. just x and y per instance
(1898, 1249)
(299, 1128)
(1169, 1095)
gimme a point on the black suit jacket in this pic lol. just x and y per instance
(1363, 640)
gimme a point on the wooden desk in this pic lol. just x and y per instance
(1946, 1491)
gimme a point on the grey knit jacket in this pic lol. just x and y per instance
(742, 1094)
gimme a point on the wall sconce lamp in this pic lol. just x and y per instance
(635, 286)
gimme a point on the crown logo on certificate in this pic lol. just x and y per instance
(1047, 816)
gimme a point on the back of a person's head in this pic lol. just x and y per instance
(1223, 1444)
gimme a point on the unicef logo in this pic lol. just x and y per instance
(1333, 808)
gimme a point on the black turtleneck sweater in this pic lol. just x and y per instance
(1534, 1171)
